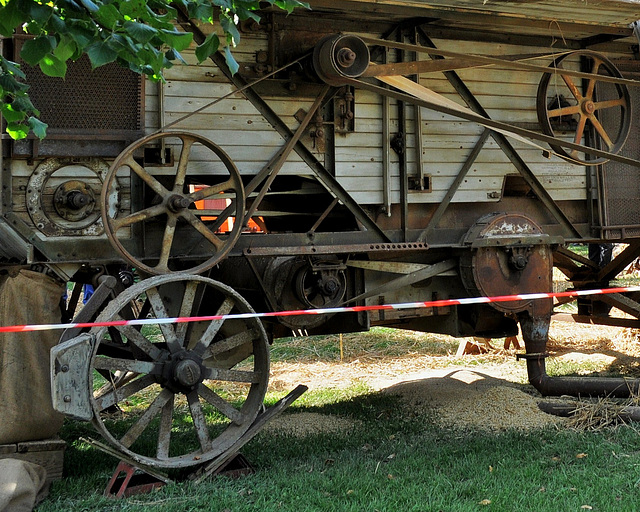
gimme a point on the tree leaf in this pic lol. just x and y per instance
(108, 15)
(10, 18)
(66, 48)
(17, 131)
(230, 28)
(100, 53)
(134, 8)
(11, 115)
(139, 31)
(34, 50)
(57, 25)
(290, 5)
(174, 55)
(11, 85)
(23, 103)
(202, 12)
(81, 35)
(38, 128)
(40, 13)
(51, 65)
(209, 46)
(89, 5)
(231, 61)
(179, 41)
(12, 67)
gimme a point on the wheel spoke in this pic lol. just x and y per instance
(141, 216)
(202, 228)
(167, 243)
(118, 394)
(199, 422)
(214, 326)
(580, 130)
(143, 422)
(182, 164)
(235, 341)
(131, 365)
(572, 87)
(221, 405)
(161, 312)
(233, 375)
(592, 81)
(601, 131)
(153, 183)
(620, 102)
(207, 192)
(186, 309)
(164, 432)
(135, 337)
(564, 111)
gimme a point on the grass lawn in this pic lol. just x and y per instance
(382, 457)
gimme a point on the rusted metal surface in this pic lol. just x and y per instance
(520, 261)
(557, 101)
(535, 333)
(127, 481)
(61, 205)
(337, 249)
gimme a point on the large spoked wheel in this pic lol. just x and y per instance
(593, 109)
(169, 220)
(177, 395)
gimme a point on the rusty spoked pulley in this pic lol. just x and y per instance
(591, 109)
(189, 210)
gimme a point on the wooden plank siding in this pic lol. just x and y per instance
(508, 95)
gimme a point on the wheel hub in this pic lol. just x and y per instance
(589, 107)
(177, 202)
(183, 372)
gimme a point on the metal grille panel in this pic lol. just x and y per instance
(622, 182)
(107, 98)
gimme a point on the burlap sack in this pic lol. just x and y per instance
(22, 485)
(26, 413)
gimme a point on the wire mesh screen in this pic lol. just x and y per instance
(621, 190)
(107, 98)
(90, 113)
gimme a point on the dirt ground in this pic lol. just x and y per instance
(487, 391)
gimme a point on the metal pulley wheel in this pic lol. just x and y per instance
(508, 255)
(297, 283)
(598, 111)
(338, 57)
(184, 393)
(62, 196)
(168, 232)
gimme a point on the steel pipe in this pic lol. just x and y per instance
(535, 332)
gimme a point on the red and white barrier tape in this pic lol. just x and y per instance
(324, 311)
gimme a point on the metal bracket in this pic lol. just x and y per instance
(517, 240)
(539, 356)
(70, 362)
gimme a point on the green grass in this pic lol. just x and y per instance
(388, 459)
(387, 462)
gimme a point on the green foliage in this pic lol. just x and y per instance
(137, 34)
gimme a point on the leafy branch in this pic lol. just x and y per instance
(138, 34)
